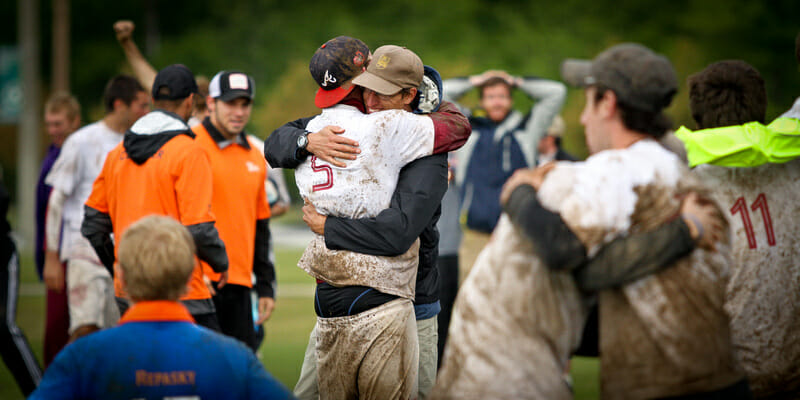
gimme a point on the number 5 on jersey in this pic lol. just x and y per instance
(316, 167)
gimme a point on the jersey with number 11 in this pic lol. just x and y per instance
(763, 296)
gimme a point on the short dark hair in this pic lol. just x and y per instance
(494, 81)
(725, 93)
(165, 103)
(122, 87)
(200, 105)
(653, 123)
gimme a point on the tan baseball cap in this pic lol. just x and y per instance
(392, 69)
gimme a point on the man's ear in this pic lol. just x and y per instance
(211, 103)
(608, 104)
(410, 96)
(118, 103)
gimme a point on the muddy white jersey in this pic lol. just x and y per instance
(388, 141)
(78, 165)
(515, 324)
(666, 334)
(764, 290)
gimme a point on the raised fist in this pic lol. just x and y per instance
(124, 30)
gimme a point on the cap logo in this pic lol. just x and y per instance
(328, 78)
(237, 81)
(383, 62)
(358, 59)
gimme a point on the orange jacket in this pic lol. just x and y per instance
(239, 201)
(174, 181)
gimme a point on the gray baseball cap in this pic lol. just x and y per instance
(638, 76)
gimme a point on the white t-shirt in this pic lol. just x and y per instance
(388, 140)
(78, 165)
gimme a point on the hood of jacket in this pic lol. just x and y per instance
(149, 133)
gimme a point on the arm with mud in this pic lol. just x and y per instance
(621, 261)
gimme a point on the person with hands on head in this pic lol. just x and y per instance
(160, 169)
(504, 140)
(240, 205)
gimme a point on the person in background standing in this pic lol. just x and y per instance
(62, 116)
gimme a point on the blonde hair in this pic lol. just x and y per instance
(63, 102)
(157, 257)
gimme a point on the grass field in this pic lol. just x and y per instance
(287, 330)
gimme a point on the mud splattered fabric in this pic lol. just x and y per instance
(513, 328)
(763, 296)
(389, 140)
(516, 322)
(666, 334)
(373, 355)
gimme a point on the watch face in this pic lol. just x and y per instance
(302, 141)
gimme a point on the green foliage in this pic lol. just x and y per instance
(273, 40)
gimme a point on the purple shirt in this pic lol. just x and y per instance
(42, 197)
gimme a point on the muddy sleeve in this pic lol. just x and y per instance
(210, 247)
(419, 192)
(280, 147)
(97, 228)
(555, 243)
(629, 258)
(263, 268)
(621, 261)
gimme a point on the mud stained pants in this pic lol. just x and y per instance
(371, 355)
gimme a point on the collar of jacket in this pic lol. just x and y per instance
(157, 311)
(221, 141)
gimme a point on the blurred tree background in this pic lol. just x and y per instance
(273, 40)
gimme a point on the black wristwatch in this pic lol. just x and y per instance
(302, 144)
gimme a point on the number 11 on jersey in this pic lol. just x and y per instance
(740, 206)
